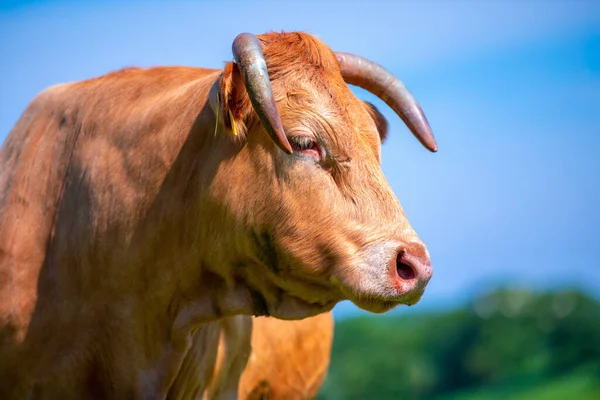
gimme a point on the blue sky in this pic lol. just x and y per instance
(511, 89)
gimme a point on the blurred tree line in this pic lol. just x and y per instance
(509, 344)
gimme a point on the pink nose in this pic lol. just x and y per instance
(413, 269)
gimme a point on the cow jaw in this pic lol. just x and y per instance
(376, 277)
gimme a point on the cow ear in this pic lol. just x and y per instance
(380, 121)
(233, 102)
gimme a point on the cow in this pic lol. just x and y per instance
(141, 206)
(287, 359)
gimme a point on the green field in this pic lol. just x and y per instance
(510, 344)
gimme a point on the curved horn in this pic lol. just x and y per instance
(373, 77)
(250, 59)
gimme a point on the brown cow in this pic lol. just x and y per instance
(139, 206)
(288, 359)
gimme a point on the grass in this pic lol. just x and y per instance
(580, 384)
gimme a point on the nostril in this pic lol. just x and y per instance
(404, 269)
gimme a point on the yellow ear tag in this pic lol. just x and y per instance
(217, 113)
(233, 128)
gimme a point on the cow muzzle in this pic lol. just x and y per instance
(411, 271)
(388, 274)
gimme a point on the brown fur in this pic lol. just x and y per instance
(127, 225)
(288, 360)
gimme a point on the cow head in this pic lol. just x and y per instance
(315, 220)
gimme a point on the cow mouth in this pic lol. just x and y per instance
(385, 275)
(381, 292)
(379, 305)
(376, 307)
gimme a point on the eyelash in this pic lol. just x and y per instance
(303, 143)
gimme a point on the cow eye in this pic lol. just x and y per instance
(303, 143)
